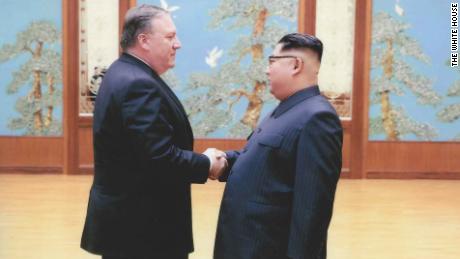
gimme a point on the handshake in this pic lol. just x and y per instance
(218, 161)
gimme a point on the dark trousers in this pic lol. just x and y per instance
(147, 257)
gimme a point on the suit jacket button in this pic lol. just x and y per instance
(259, 130)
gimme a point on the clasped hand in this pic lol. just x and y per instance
(218, 160)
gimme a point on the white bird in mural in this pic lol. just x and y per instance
(213, 56)
(168, 8)
(398, 9)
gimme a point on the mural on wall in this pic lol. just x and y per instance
(98, 47)
(451, 112)
(409, 79)
(335, 26)
(220, 75)
(31, 70)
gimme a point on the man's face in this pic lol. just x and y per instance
(162, 44)
(279, 71)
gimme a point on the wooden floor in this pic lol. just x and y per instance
(42, 216)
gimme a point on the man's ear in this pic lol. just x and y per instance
(142, 40)
(297, 66)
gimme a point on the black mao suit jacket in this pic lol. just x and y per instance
(140, 199)
(280, 190)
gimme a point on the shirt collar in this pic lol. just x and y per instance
(295, 99)
(145, 62)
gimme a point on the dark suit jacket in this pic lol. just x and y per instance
(140, 199)
(280, 190)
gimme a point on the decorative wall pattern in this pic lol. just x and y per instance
(335, 26)
(414, 93)
(98, 47)
(31, 68)
(220, 74)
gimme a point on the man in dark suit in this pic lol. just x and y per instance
(139, 205)
(280, 190)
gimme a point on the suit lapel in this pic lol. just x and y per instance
(169, 95)
(177, 106)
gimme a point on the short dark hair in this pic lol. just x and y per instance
(137, 20)
(302, 41)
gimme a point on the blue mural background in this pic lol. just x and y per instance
(15, 16)
(192, 19)
(430, 26)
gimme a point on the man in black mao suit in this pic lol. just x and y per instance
(139, 205)
(280, 190)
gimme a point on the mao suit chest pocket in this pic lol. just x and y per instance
(270, 140)
(280, 147)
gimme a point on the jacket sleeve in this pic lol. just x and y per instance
(232, 156)
(317, 170)
(148, 129)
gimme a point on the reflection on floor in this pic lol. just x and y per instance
(41, 216)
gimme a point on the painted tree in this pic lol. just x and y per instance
(214, 94)
(451, 112)
(392, 47)
(42, 73)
